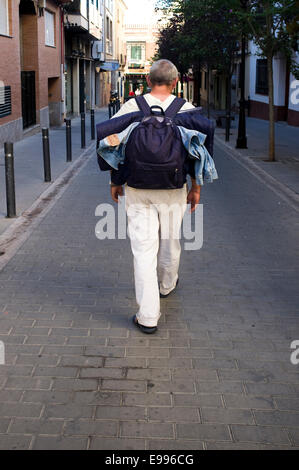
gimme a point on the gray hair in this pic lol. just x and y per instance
(163, 72)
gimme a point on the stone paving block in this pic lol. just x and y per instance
(106, 398)
(277, 418)
(291, 404)
(139, 429)
(60, 443)
(15, 370)
(102, 443)
(170, 363)
(127, 362)
(174, 414)
(127, 342)
(25, 359)
(198, 400)
(36, 426)
(91, 428)
(147, 399)
(20, 409)
(103, 351)
(171, 444)
(174, 386)
(86, 341)
(199, 363)
(81, 361)
(273, 389)
(148, 374)
(203, 432)
(219, 387)
(260, 434)
(28, 383)
(103, 372)
(147, 352)
(75, 384)
(67, 350)
(256, 376)
(203, 375)
(54, 372)
(221, 415)
(124, 385)
(249, 402)
(124, 413)
(16, 442)
(49, 396)
(69, 410)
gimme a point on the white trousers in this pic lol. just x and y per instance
(154, 226)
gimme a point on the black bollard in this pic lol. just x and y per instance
(92, 130)
(10, 180)
(82, 130)
(68, 129)
(46, 152)
(110, 110)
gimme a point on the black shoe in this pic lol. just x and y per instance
(163, 296)
(149, 330)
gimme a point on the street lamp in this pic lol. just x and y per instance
(242, 138)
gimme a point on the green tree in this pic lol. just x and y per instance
(273, 26)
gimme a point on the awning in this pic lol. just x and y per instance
(110, 66)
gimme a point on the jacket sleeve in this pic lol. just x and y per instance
(113, 126)
(119, 176)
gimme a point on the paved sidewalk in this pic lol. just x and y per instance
(217, 375)
(28, 162)
(286, 167)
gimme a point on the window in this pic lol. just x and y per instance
(4, 28)
(136, 52)
(49, 29)
(5, 100)
(261, 86)
(110, 30)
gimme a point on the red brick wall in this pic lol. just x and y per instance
(36, 56)
(10, 71)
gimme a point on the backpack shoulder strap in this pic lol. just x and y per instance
(174, 108)
(142, 105)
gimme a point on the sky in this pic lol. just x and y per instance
(139, 11)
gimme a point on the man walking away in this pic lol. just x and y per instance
(149, 211)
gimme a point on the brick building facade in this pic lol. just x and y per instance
(31, 58)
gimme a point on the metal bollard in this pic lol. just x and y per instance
(110, 110)
(227, 127)
(10, 180)
(46, 153)
(92, 130)
(68, 129)
(82, 130)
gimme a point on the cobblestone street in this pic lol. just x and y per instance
(216, 375)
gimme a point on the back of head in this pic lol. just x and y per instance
(163, 72)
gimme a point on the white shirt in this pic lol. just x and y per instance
(131, 106)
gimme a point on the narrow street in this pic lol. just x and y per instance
(216, 375)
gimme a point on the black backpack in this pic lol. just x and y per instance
(155, 154)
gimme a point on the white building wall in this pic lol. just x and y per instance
(294, 90)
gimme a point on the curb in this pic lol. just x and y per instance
(272, 183)
(20, 230)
